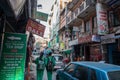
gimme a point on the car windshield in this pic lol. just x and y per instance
(58, 58)
(115, 75)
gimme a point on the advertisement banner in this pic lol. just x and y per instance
(102, 20)
(62, 45)
(35, 27)
(13, 58)
(42, 16)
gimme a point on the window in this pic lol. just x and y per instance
(70, 69)
(93, 75)
(94, 27)
(74, 35)
(115, 75)
(95, 22)
(117, 17)
(87, 26)
(81, 73)
(114, 17)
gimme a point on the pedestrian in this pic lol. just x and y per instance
(49, 63)
(45, 51)
(40, 66)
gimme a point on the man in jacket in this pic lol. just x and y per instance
(49, 63)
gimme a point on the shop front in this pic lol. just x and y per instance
(108, 47)
(90, 48)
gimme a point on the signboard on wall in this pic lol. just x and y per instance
(110, 38)
(73, 42)
(35, 27)
(102, 20)
(42, 16)
(13, 58)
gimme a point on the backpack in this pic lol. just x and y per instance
(41, 64)
(49, 65)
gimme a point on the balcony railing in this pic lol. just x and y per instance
(63, 22)
(81, 7)
(78, 11)
(87, 6)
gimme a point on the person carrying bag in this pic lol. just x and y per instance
(40, 66)
(49, 63)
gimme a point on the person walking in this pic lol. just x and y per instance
(40, 66)
(49, 63)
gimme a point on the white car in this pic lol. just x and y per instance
(59, 61)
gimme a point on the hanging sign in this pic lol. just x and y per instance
(13, 56)
(42, 16)
(35, 27)
(102, 20)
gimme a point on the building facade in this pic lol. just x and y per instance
(90, 29)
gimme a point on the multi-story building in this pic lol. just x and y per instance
(87, 25)
(63, 31)
(54, 23)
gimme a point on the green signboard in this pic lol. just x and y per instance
(42, 16)
(12, 61)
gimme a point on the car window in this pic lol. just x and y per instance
(70, 69)
(93, 74)
(81, 73)
(58, 58)
(115, 75)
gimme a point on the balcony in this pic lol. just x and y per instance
(72, 4)
(63, 22)
(86, 8)
(72, 18)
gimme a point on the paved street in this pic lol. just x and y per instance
(33, 73)
(45, 76)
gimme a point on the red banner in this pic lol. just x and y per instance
(85, 39)
(35, 27)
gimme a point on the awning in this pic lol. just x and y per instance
(12, 8)
(67, 51)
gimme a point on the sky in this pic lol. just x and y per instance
(46, 7)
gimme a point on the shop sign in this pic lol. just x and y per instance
(35, 27)
(96, 38)
(75, 28)
(73, 42)
(13, 58)
(117, 36)
(102, 20)
(85, 39)
(62, 45)
(110, 38)
(42, 16)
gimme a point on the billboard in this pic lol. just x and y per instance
(102, 20)
(35, 27)
(13, 58)
(42, 16)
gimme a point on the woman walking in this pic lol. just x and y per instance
(49, 63)
(40, 66)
